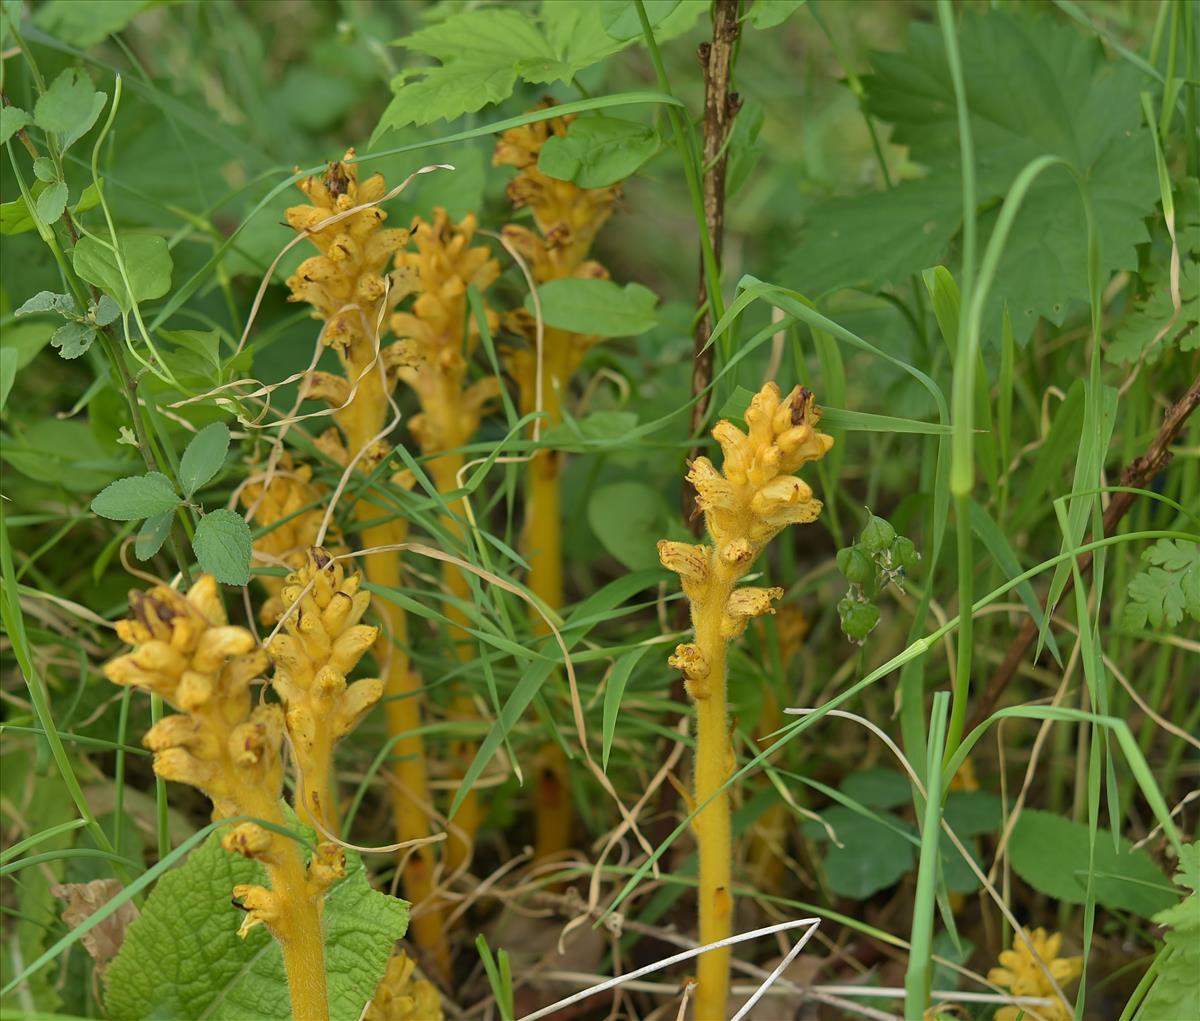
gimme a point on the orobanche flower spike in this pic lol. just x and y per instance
(321, 643)
(746, 504)
(348, 284)
(186, 651)
(1020, 973)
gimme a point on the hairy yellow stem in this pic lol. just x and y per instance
(444, 471)
(712, 825)
(297, 926)
(402, 705)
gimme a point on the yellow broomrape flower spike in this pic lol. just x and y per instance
(745, 505)
(186, 650)
(1020, 975)
(403, 995)
(321, 643)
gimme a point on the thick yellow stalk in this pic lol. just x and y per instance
(745, 505)
(402, 705)
(444, 470)
(296, 924)
(713, 827)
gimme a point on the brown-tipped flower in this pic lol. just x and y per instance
(292, 530)
(320, 645)
(569, 217)
(403, 995)
(439, 272)
(346, 282)
(755, 495)
(185, 651)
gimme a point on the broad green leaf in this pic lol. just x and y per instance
(153, 534)
(15, 217)
(47, 301)
(137, 497)
(878, 787)
(1024, 74)
(147, 264)
(621, 21)
(599, 425)
(63, 452)
(88, 23)
(598, 151)
(12, 120)
(73, 339)
(8, 372)
(628, 518)
(1166, 590)
(480, 53)
(203, 457)
(69, 107)
(27, 339)
(597, 307)
(52, 201)
(183, 959)
(106, 311)
(1051, 854)
(874, 854)
(769, 13)
(45, 170)
(223, 546)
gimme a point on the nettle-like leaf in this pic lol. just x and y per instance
(484, 52)
(598, 151)
(69, 107)
(1034, 88)
(141, 496)
(183, 959)
(601, 308)
(1153, 324)
(223, 546)
(1168, 589)
(1176, 989)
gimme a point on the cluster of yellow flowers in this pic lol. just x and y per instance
(1021, 975)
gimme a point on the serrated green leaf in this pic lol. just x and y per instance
(223, 545)
(1163, 593)
(73, 339)
(598, 151)
(12, 120)
(1051, 854)
(1176, 989)
(1025, 72)
(153, 534)
(597, 307)
(188, 931)
(1153, 326)
(137, 497)
(147, 262)
(203, 457)
(44, 169)
(46, 301)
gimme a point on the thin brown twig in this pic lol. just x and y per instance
(720, 107)
(1138, 474)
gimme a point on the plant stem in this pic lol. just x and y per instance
(444, 470)
(713, 824)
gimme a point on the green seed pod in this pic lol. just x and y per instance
(878, 535)
(856, 565)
